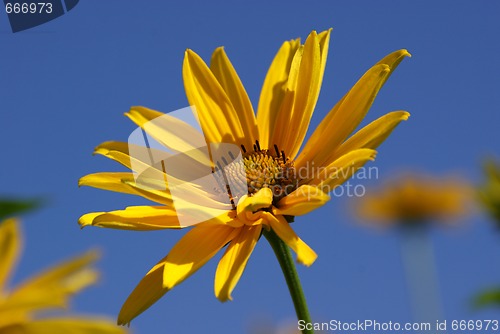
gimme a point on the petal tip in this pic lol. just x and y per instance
(122, 322)
(402, 53)
(83, 223)
(88, 219)
(309, 260)
(100, 149)
(406, 53)
(224, 298)
(189, 53)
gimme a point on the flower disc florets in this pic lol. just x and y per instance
(260, 169)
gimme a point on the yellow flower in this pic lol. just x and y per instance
(415, 198)
(270, 142)
(52, 289)
(490, 191)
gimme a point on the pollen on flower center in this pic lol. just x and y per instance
(261, 168)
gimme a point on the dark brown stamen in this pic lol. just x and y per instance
(277, 150)
(258, 169)
(228, 189)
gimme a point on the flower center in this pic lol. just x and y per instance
(265, 170)
(259, 169)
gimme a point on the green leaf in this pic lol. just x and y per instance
(11, 207)
(488, 298)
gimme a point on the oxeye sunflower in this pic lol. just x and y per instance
(23, 308)
(281, 181)
(411, 202)
(417, 199)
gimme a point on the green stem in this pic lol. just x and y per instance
(292, 278)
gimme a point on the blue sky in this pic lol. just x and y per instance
(65, 85)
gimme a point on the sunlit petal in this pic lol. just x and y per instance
(234, 261)
(302, 201)
(225, 73)
(305, 255)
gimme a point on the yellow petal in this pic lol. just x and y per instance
(348, 112)
(225, 73)
(150, 163)
(71, 325)
(188, 255)
(52, 288)
(305, 255)
(145, 294)
(234, 261)
(10, 246)
(343, 168)
(218, 119)
(344, 118)
(114, 150)
(393, 59)
(193, 205)
(301, 201)
(197, 247)
(172, 133)
(169, 131)
(108, 181)
(308, 88)
(189, 157)
(273, 91)
(262, 199)
(9, 321)
(69, 277)
(324, 43)
(20, 307)
(139, 218)
(124, 183)
(374, 134)
(285, 110)
(119, 152)
(151, 182)
(187, 196)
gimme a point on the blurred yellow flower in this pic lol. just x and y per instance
(490, 191)
(414, 198)
(270, 142)
(20, 307)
